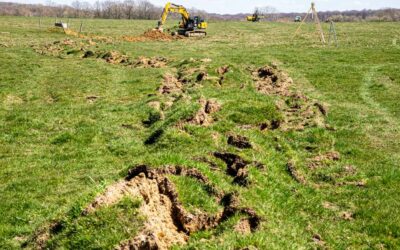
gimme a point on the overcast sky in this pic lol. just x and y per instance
(245, 6)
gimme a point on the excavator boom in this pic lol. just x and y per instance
(188, 26)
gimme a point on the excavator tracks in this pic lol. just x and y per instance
(196, 33)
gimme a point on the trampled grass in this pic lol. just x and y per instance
(59, 148)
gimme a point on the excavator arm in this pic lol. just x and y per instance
(173, 8)
(189, 26)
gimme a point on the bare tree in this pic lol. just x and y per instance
(129, 6)
(77, 6)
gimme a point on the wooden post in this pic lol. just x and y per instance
(302, 22)
(314, 14)
(318, 23)
(80, 28)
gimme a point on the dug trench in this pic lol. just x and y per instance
(86, 49)
(168, 223)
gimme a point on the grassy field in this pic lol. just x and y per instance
(69, 127)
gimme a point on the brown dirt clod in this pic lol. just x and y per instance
(154, 62)
(243, 227)
(323, 159)
(298, 111)
(236, 167)
(203, 116)
(171, 85)
(168, 223)
(293, 172)
(151, 35)
(223, 70)
(239, 141)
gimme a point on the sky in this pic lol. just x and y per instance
(247, 6)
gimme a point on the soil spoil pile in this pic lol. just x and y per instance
(298, 110)
(151, 35)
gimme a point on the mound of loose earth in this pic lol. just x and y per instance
(84, 50)
(236, 167)
(151, 35)
(203, 116)
(167, 221)
(297, 109)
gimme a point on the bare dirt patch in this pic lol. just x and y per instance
(153, 62)
(171, 85)
(203, 116)
(323, 159)
(236, 167)
(151, 35)
(221, 72)
(269, 80)
(239, 141)
(318, 240)
(85, 49)
(168, 223)
(243, 226)
(294, 173)
(298, 110)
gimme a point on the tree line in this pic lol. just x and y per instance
(109, 9)
(143, 9)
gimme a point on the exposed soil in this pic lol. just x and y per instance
(92, 98)
(271, 81)
(85, 49)
(168, 223)
(239, 141)
(323, 159)
(154, 62)
(318, 240)
(170, 85)
(203, 116)
(236, 167)
(221, 72)
(90, 37)
(294, 173)
(114, 57)
(243, 226)
(151, 35)
(298, 110)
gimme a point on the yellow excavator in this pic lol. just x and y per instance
(190, 27)
(256, 17)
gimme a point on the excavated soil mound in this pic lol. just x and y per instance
(221, 72)
(151, 35)
(56, 48)
(154, 62)
(115, 57)
(298, 111)
(239, 141)
(170, 85)
(270, 80)
(203, 116)
(168, 223)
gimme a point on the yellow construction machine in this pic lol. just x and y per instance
(189, 27)
(255, 17)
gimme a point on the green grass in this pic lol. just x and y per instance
(57, 148)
